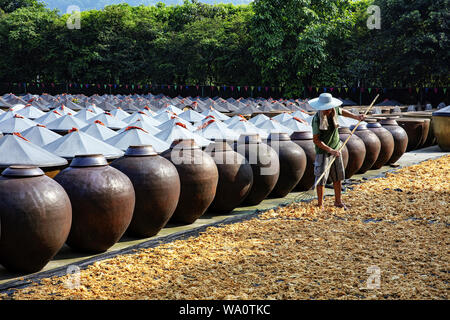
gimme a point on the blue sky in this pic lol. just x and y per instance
(62, 5)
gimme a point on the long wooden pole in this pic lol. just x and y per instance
(343, 145)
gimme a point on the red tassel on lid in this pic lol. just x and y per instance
(90, 110)
(300, 120)
(99, 122)
(181, 125)
(41, 125)
(210, 116)
(73, 130)
(203, 126)
(28, 105)
(135, 127)
(147, 108)
(54, 111)
(142, 112)
(18, 116)
(108, 114)
(17, 134)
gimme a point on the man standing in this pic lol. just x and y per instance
(326, 139)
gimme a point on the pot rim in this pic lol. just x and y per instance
(89, 160)
(23, 171)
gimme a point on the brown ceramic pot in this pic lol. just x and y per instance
(235, 178)
(415, 129)
(400, 138)
(372, 144)
(292, 163)
(356, 152)
(157, 187)
(102, 200)
(305, 141)
(265, 166)
(387, 144)
(198, 177)
(36, 216)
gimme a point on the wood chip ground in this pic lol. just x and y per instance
(398, 225)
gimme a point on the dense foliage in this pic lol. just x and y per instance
(290, 43)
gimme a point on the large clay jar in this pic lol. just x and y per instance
(35, 214)
(344, 153)
(157, 187)
(198, 176)
(441, 128)
(372, 144)
(304, 139)
(427, 132)
(102, 200)
(292, 163)
(265, 166)
(356, 151)
(235, 178)
(387, 143)
(400, 138)
(415, 129)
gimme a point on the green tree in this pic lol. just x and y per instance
(291, 38)
(412, 47)
(11, 5)
(24, 41)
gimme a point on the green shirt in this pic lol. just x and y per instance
(329, 137)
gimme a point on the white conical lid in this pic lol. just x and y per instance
(109, 120)
(273, 126)
(17, 150)
(40, 135)
(178, 132)
(80, 143)
(99, 131)
(66, 123)
(120, 114)
(31, 112)
(48, 117)
(171, 123)
(144, 125)
(135, 136)
(260, 118)
(215, 130)
(140, 115)
(191, 116)
(16, 124)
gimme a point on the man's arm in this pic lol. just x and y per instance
(323, 146)
(348, 114)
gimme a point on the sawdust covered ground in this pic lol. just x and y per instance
(398, 225)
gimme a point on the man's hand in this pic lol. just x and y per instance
(361, 117)
(335, 153)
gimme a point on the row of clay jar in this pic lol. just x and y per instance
(92, 204)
